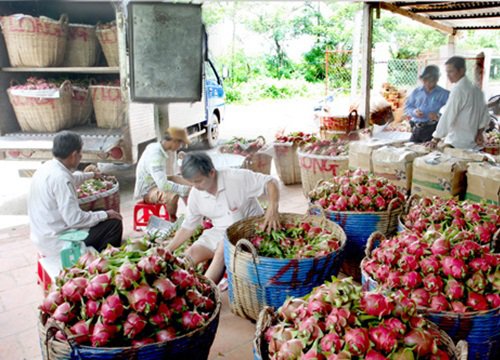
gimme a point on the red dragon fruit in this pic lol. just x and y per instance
(424, 343)
(454, 290)
(165, 287)
(459, 307)
(466, 249)
(331, 342)
(64, 313)
(453, 267)
(98, 286)
(439, 303)
(395, 325)
(477, 282)
(81, 332)
(420, 296)
(493, 300)
(433, 283)
(477, 301)
(102, 334)
(91, 308)
(111, 309)
(357, 341)
(162, 317)
(74, 288)
(376, 304)
(166, 334)
(152, 264)
(134, 324)
(99, 266)
(192, 320)
(143, 299)
(441, 246)
(374, 355)
(480, 264)
(182, 278)
(142, 342)
(291, 349)
(51, 302)
(383, 338)
(412, 279)
(430, 265)
(408, 263)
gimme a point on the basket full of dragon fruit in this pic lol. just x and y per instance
(440, 214)
(265, 268)
(285, 155)
(322, 160)
(99, 194)
(249, 148)
(360, 203)
(453, 278)
(124, 304)
(338, 321)
(492, 142)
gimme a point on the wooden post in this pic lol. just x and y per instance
(366, 61)
(356, 49)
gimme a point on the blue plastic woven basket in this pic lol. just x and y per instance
(256, 281)
(481, 329)
(358, 227)
(194, 345)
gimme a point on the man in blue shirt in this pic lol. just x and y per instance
(424, 103)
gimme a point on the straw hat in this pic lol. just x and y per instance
(177, 133)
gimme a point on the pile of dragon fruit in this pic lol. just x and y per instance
(122, 298)
(95, 186)
(492, 138)
(338, 321)
(481, 220)
(441, 271)
(357, 191)
(294, 241)
(242, 146)
(327, 147)
(297, 138)
(34, 83)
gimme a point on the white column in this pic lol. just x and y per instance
(380, 65)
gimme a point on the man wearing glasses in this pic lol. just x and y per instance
(157, 180)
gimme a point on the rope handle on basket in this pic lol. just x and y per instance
(352, 118)
(64, 19)
(261, 139)
(265, 318)
(462, 350)
(370, 243)
(50, 333)
(409, 203)
(66, 84)
(389, 214)
(249, 246)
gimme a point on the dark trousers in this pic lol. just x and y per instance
(106, 232)
(422, 132)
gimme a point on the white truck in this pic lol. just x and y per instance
(148, 64)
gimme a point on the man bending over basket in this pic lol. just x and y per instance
(53, 202)
(225, 197)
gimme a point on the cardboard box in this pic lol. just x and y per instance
(439, 174)
(395, 164)
(483, 182)
(468, 155)
(360, 152)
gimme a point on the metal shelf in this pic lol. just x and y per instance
(78, 70)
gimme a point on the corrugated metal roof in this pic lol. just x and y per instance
(459, 15)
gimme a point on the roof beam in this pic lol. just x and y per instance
(416, 17)
(464, 16)
(449, 7)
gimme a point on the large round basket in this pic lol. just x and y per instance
(340, 123)
(358, 227)
(81, 106)
(108, 106)
(268, 317)
(35, 41)
(194, 345)
(106, 200)
(42, 110)
(256, 281)
(481, 329)
(315, 168)
(82, 48)
(108, 38)
(287, 163)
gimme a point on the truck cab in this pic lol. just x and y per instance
(143, 121)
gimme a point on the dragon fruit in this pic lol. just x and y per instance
(357, 341)
(165, 288)
(376, 304)
(81, 331)
(102, 334)
(166, 334)
(74, 289)
(453, 267)
(143, 299)
(98, 286)
(134, 324)
(111, 309)
(63, 313)
(383, 338)
(192, 320)
(51, 302)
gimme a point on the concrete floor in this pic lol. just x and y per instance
(20, 295)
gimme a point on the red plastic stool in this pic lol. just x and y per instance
(143, 211)
(43, 277)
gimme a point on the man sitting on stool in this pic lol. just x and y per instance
(156, 175)
(53, 202)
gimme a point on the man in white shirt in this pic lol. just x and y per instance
(466, 114)
(223, 196)
(53, 202)
(156, 174)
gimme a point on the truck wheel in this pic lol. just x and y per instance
(212, 134)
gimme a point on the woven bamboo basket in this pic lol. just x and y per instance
(194, 345)
(287, 163)
(108, 38)
(106, 200)
(81, 106)
(81, 48)
(481, 329)
(108, 106)
(256, 281)
(358, 227)
(260, 163)
(267, 317)
(42, 113)
(35, 41)
(340, 123)
(315, 168)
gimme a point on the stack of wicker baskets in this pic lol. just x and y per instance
(108, 38)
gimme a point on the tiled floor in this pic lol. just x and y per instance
(20, 295)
